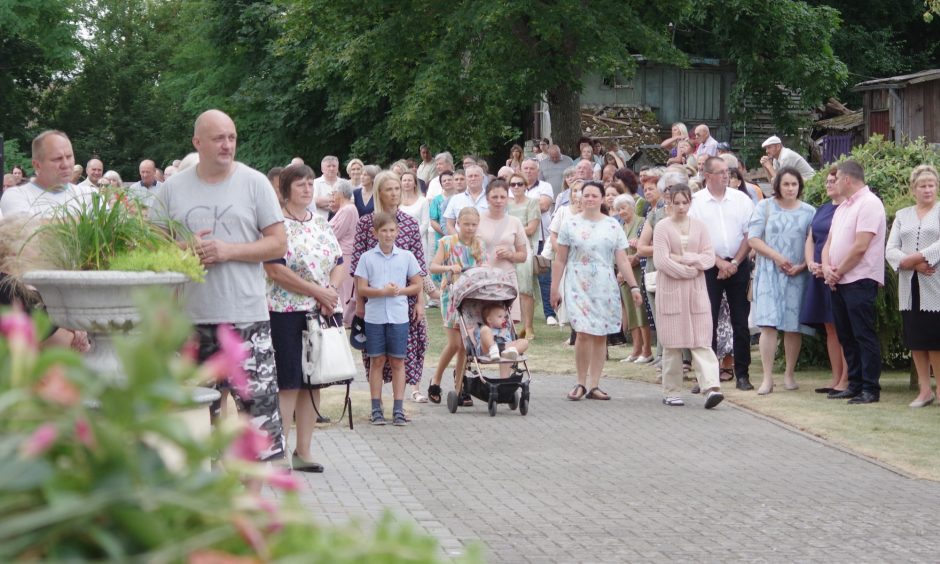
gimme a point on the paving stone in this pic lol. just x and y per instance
(624, 480)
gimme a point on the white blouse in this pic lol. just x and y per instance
(909, 234)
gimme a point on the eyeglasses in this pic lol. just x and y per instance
(516, 184)
(719, 172)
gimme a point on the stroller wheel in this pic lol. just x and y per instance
(524, 404)
(514, 402)
(452, 401)
(492, 406)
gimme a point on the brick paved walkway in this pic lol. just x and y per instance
(624, 480)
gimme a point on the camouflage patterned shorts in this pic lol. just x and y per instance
(262, 405)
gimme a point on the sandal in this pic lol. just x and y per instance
(466, 400)
(597, 394)
(418, 397)
(577, 393)
(673, 401)
(434, 393)
(726, 374)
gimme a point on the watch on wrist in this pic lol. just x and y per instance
(734, 262)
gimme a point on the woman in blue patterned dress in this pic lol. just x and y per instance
(778, 232)
(305, 280)
(588, 246)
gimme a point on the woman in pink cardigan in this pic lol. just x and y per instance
(682, 252)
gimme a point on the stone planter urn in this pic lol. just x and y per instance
(101, 302)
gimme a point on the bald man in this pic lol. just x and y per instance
(237, 225)
(144, 189)
(95, 170)
(53, 161)
(706, 145)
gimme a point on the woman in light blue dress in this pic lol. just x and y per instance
(778, 232)
(588, 246)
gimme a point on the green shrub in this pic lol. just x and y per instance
(887, 169)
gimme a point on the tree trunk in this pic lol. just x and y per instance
(564, 105)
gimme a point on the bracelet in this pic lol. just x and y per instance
(632, 288)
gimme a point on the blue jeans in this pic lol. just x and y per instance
(853, 307)
(545, 288)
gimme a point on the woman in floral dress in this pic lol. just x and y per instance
(388, 199)
(589, 244)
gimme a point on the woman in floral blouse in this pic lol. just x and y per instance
(305, 280)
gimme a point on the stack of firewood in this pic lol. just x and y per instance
(630, 126)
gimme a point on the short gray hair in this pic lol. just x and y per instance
(372, 170)
(329, 159)
(446, 156)
(670, 179)
(344, 187)
(624, 200)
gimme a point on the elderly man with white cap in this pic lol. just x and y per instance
(778, 157)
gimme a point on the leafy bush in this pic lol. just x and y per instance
(85, 475)
(887, 170)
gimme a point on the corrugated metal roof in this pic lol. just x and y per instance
(842, 123)
(896, 81)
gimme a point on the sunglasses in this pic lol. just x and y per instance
(516, 184)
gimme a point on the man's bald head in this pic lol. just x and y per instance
(148, 172)
(94, 169)
(215, 139)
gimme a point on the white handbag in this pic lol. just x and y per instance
(649, 280)
(327, 357)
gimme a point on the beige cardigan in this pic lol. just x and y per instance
(683, 311)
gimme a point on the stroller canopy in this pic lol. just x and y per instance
(484, 283)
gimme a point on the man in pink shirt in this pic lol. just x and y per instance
(853, 262)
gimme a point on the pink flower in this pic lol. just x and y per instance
(84, 434)
(18, 328)
(251, 534)
(283, 480)
(229, 361)
(55, 388)
(40, 441)
(249, 445)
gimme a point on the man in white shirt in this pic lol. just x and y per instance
(726, 214)
(777, 157)
(51, 189)
(707, 146)
(544, 194)
(324, 186)
(95, 170)
(474, 196)
(144, 189)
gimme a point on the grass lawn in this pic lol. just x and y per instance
(889, 431)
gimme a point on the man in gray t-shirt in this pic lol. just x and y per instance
(237, 223)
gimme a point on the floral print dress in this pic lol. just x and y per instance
(455, 252)
(591, 292)
(409, 239)
(312, 253)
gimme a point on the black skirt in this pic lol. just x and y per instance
(921, 328)
(287, 337)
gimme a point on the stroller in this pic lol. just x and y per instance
(476, 288)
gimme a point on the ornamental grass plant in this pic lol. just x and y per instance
(109, 231)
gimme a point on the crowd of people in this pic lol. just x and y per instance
(688, 260)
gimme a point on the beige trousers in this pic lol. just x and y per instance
(706, 370)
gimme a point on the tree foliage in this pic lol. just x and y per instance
(37, 44)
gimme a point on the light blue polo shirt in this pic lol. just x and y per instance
(380, 269)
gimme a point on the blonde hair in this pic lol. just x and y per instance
(377, 183)
(476, 246)
(923, 170)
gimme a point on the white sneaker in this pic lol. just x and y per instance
(494, 353)
(550, 320)
(510, 354)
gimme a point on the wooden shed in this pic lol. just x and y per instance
(902, 107)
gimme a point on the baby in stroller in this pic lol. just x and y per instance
(495, 337)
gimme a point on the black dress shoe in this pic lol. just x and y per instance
(824, 390)
(843, 394)
(864, 397)
(744, 384)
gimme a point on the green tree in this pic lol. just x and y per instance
(38, 42)
(458, 74)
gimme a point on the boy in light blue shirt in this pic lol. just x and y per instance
(385, 277)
